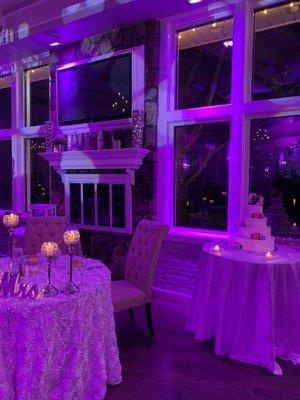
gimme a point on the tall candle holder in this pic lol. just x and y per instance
(71, 238)
(10, 220)
(49, 250)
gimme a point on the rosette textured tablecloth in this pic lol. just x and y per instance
(64, 347)
(251, 306)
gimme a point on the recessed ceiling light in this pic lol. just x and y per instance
(54, 44)
(55, 40)
(194, 1)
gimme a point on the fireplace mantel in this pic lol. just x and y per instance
(129, 159)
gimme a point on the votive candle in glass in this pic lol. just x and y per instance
(216, 248)
(268, 255)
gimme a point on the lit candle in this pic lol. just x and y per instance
(71, 237)
(216, 248)
(268, 255)
(49, 249)
(11, 220)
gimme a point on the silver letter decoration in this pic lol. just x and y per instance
(10, 287)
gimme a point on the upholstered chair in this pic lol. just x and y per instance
(136, 288)
(44, 229)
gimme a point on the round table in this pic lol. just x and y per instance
(63, 347)
(250, 305)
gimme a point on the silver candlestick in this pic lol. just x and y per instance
(49, 250)
(71, 238)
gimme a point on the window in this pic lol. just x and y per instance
(6, 174)
(99, 201)
(202, 175)
(275, 171)
(5, 102)
(277, 52)
(95, 91)
(37, 96)
(37, 173)
(204, 65)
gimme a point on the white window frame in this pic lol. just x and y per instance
(94, 179)
(27, 94)
(239, 112)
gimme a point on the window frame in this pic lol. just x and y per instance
(239, 112)
(27, 95)
(94, 179)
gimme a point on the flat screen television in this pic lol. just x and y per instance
(96, 91)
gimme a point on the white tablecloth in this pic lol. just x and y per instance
(249, 305)
(60, 348)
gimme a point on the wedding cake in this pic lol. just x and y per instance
(254, 234)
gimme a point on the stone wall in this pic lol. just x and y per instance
(110, 248)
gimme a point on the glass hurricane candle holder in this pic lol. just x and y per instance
(268, 255)
(71, 238)
(49, 250)
(10, 220)
(216, 248)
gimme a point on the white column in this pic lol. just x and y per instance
(241, 88)
(18, 159)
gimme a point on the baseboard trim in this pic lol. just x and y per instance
(169, 295)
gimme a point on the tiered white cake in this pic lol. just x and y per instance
(254, 234)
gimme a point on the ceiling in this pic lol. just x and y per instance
(7, 4)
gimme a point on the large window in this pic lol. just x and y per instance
(202, 175)
(277, 52)
(212, 71)
(37, 96)
(5, 174)
(5, 102)
(275, 171)
(204, 65)
(37, 173)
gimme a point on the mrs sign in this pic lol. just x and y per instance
(10, 287)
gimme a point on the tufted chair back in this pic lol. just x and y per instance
(44, 229)
(143, 253)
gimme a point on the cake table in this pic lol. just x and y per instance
(250, 305)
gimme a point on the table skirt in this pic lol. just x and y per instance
(252, 310)
(61, 348)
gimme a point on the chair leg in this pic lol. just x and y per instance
(149, 319)
(131, 314)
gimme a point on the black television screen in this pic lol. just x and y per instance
(96, 91)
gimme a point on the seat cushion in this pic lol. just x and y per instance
(125, 295)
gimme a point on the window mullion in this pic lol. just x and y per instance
(241, 86)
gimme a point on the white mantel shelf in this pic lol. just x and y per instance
(129, 159)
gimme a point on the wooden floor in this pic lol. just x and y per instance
(174, 367)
